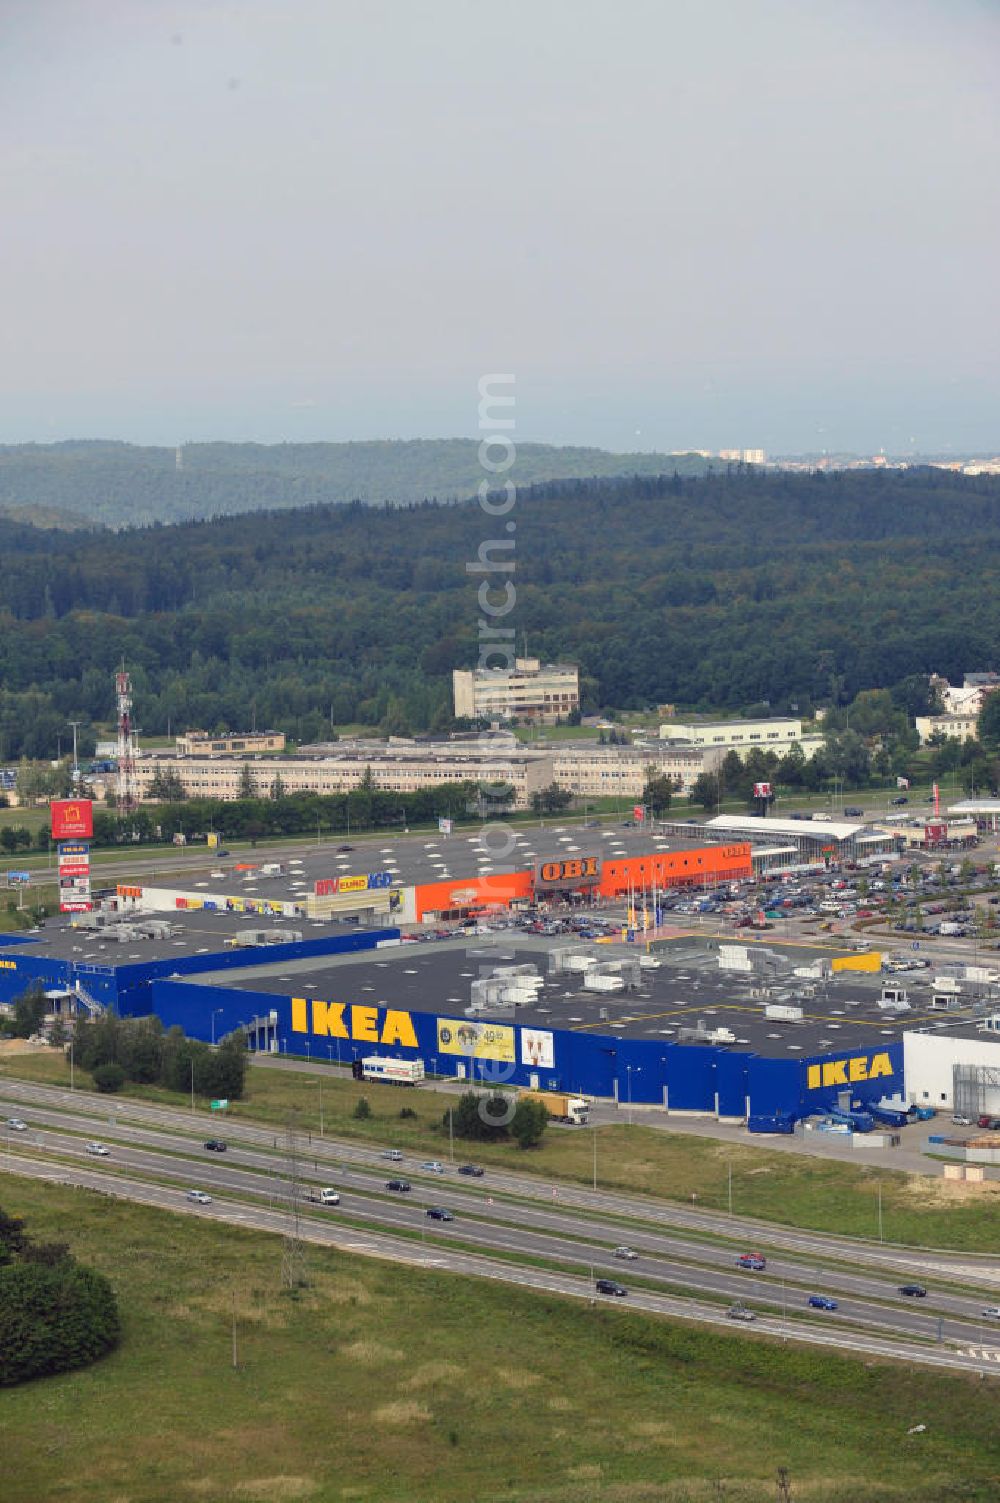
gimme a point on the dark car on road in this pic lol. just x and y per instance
(471, 1169)
(398, 1184)
(752, 1260)
(438, 1213)
(610, 1286)
(822, 1302)
(215, 1145)
(915, 1291)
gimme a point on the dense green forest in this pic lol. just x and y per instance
(121, 485)
(725, 592)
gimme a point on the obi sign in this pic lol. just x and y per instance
(846, 1072)
(565, 872)
(72, 819)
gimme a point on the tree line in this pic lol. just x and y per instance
(722, 592)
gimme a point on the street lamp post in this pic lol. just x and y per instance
(215, 1013)
(595, 1155)
(192, 1083)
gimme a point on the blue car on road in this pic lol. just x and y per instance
(822, 1302)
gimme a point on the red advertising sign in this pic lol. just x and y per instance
(638, 813)
(72, 818)
(762, 790)
(326, 887)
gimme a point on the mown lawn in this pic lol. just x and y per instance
(381, 1382)
(790, 1189)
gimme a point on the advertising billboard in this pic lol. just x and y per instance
(73, 859)
(638, 813)
(72, 818)
(537, 1049)
(444, 826)
(480, 1040)
(762, 790)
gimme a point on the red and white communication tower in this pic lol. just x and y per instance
(127, 792)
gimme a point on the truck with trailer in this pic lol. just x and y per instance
(573, 1110)
(392, 1071)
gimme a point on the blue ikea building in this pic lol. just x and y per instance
(762, 1077)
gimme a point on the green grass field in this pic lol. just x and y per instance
(385, 1384)
(791, 1189)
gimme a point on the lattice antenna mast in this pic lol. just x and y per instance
(128, 798)
(293, 1252)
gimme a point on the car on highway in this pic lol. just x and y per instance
(16, 1125)
(754, 1260)
(199, 1197)
(739, 1311)
(914, 1291)
(392, 1154)
(432, 1166)
(399, 1185)
(438, 1213)
(610, 1286)
(215, 1145)
(97, 1149)
(473, 1170)
(628, 1253)
(822, 1302)
(991, 1312)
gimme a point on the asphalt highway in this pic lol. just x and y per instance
(559, 1224)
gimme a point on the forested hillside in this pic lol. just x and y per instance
(722, 592)
(121, 485)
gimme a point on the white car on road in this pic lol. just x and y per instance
(200, 1197)
(98, 1150)
(15, 1124)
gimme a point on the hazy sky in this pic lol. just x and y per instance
(678, 222)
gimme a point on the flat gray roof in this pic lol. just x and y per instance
(840, 1015)
(192, 933)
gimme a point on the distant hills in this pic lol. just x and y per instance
(117, 485)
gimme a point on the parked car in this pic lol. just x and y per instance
(609, 1286)
(473, 1170)
(16, 1125)
(97, 1149)
(913, 1291)
(752, 1260)
(402, 1185)
(438, 1213)
(962, 1121)
(628, 1253)
(215, 1145)
(822, 1302)
(199, 1197)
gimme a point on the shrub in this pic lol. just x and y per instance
(407, 1111)
(53, 1317)
(363, 1110)
(109, 1078)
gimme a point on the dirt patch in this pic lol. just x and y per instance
(371, 1351)
(276, 1489)
(434, 1372)
(560, 1403)
(510, 1377)
(590, 1471)
(402, 1412)
(22, 1046)
(947, 1193)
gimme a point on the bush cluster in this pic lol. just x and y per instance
(55, 1314)
(490, 1119)
(140, 1049)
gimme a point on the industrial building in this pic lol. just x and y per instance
(743, 736)
(586, 769)
(228, 743)
(530, 691)
(420, 879)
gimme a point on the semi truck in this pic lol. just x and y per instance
(562, 1108)
(392, 1071)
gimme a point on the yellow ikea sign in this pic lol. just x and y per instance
(337, 1020)
(8, 965)
(842, 1072)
